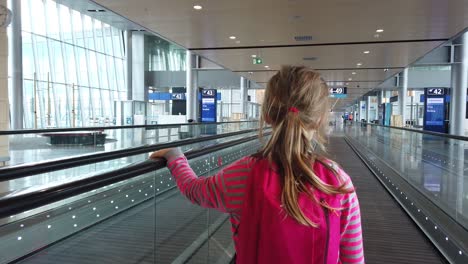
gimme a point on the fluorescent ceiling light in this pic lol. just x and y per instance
(232, 37)
(366, 52)
(379, 30)
(197, 7)
(254, 56)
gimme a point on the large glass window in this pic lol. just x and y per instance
(71, 62)
(162, 55)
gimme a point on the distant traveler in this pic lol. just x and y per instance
(287, 203)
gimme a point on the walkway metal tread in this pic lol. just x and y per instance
(390, 236)
(135, 236)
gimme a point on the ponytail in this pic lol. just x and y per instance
(290, 147)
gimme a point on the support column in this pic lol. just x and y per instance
(380, 98)
(388, 94)
(4, 104)
(167, 104)
(368, 102)
(128, 63)
(16, 61)
(402, 96)
(355, 112)
(362, 112)
(243, 90)
(459, 89)
(192, 87)
(139, 92)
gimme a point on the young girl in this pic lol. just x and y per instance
(287, 204)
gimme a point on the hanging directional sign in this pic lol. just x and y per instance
(178, 96)
(257, 61)
(340, 92)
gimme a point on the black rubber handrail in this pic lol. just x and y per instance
(52, 130)
(20, 202)
(25, 170)
(421, 131)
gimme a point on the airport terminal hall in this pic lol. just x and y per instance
(234, 132)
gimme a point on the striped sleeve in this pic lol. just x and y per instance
(224, 191)
(351, 244)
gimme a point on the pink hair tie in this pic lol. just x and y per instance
(293, 109)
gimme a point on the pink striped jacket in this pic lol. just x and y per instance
(338, 239)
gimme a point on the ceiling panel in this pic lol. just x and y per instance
(339, 30)
(327, 57)
(273, 22)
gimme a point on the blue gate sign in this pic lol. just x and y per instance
(435, 110)
(208, 105)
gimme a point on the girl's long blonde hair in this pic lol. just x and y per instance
(297, 106)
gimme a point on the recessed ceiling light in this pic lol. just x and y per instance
(266, 66)
(254, 56)
(379, 30)
(197, 7)
(350, 79)
(359, 64)
(353, 73)
(366, 52)
(232, 37)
